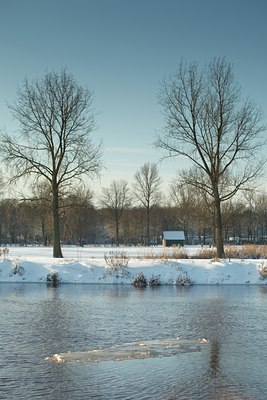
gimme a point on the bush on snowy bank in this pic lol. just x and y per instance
(17, 269)
(53, 277)
(4, 252)
(117, 260)
(154, 280)
(183, 280)
(140, 280)
(263, 270)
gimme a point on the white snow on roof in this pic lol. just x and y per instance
(173, 235)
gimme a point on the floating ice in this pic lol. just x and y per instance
(130, 351)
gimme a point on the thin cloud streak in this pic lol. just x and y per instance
(129, 150)
(123, 164)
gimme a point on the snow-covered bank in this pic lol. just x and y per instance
(87, 265)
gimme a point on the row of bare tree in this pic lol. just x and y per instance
(124, 221)
(206, 122)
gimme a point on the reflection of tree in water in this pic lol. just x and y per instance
(214, 357)
(263, 290)
(217, 326)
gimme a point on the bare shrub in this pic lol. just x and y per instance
(140, 280)
(53, 278)
(17, 269)
(154, 280)
(117, 260)
(263, 270)
(149, 255)
(4, 252)
(183, 280)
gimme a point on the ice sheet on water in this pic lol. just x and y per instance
(131, 351)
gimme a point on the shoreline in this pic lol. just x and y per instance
(86, 265)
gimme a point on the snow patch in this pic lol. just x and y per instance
(88, 265)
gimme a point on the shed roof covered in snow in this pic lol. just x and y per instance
(173, 235)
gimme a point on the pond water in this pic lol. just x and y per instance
(37, 321)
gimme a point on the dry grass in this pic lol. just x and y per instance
(206, 253)
(176, 253)
(233, 252)
(254, 251)
(246, 251)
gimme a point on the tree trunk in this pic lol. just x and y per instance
(117, 230)
(148, 226)
(57, 253)
(218, 227)
(44, 235)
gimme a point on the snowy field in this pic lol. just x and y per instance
(87, 265)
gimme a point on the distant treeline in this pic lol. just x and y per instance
(29, 222)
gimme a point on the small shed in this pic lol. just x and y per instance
(173, 238)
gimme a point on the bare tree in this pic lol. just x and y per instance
(78, 214)
(261, 206)
(56, 121)
(184, 202)
(232, 212)
(41, 198)
(116, 198)
(208, 124)
(146, 190)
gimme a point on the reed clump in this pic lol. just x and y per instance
(175, 253)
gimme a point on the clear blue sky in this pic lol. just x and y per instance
(122, 49)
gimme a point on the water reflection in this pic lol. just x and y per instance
(214, 357)
(39, 320)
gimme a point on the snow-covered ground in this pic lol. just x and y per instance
(87, 265)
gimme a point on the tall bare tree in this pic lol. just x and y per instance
(116, 199)
(147, 190)
(56, 122)
(208, 123)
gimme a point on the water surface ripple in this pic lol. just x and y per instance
(37, 321)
